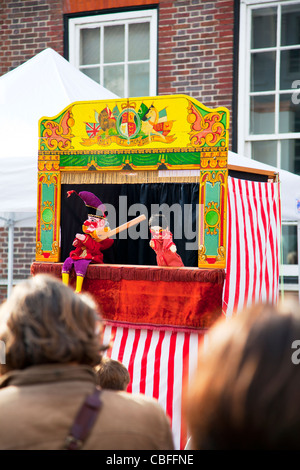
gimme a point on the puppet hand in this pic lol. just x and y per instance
(80, 236)
(173, 248)
(151, 243)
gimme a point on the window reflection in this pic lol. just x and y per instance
(264, 26)
(265, 152)
(89, 46)
(114, 79)
(289, 244)
(289, 68)
(289, 114)
(290, 155)
(138, 41)
(262, 114)
(263, 71)
(114, 44)
(138, 79)
(290, 25)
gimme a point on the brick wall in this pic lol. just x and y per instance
(195, 41)
(28, 27)
(24, 255)
(196, 50)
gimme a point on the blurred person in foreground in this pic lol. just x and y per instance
(246, 390)
(112, 374)
(53, 340)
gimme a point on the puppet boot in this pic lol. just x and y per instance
(79, 282)
(65, 278)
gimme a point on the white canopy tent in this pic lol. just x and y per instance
(42, 86)
(289, 184)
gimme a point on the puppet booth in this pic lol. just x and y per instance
(138, 206)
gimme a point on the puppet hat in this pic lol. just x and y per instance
(92, 202)
(158, 220)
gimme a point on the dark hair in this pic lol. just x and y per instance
(44, 321)
(112, 374)
(158, 220)
(246, 390)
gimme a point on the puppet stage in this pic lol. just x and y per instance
(184, 298)
(155, 317)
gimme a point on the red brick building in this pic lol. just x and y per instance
(223, 53)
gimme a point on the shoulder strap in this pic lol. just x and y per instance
(84, 420)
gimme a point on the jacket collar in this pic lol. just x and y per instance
(48, 373)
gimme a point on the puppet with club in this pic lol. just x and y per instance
(89, 246)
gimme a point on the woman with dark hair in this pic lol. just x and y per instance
(53, 341)
(246, 389)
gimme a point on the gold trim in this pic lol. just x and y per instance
(123, 177)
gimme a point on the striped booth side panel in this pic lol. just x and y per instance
(160, 363)
(253, 241)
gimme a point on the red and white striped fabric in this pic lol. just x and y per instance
(253, 241)
(160, 364)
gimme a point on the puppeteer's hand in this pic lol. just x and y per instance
(173, 248)
(151, 243)
(79, 237)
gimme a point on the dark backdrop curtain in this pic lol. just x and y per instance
(183, 224)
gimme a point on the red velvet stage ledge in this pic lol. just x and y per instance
(151, 296)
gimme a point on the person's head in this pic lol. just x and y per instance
(45, 322)
(246, 390)
(112, 374)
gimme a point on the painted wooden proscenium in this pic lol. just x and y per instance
(142, 135)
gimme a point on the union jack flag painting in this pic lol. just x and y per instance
(92, 128)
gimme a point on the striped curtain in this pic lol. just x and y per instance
(161, 362)
(253, 241)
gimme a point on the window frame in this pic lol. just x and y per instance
(109, 19)
(244, 138)
(291, 270)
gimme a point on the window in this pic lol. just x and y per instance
(269, 100)
(289, 269)
(117, 50)
(269, 86)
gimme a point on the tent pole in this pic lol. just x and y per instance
(298, 240)
(10, 255)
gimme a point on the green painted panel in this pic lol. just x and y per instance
(145, 159)
(212, 193)
(47, 216)
(212, 244)
(211, 238)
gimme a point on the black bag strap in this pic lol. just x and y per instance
(84, 420)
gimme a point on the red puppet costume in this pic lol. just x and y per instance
(88, 246)
(162, 242)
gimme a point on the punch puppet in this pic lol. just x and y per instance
(88, 246)
(162, 242)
